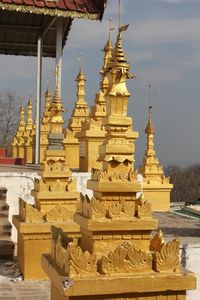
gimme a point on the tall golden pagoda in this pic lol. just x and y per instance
(116, 258)
(28, 135)
(55, 201)
(18, 140)
(92, 134)
(156, 187)
(79, 115)
(45, 124)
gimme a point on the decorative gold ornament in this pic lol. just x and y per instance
(126, 259)
(167, 258)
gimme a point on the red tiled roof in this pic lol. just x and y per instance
(79, 7)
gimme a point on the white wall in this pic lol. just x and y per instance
(19, 185)
(193, 264)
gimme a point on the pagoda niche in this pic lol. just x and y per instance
(117, 257)
(156, 187)
(79, 115)
(55, 202)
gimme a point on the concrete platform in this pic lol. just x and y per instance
(23, 290)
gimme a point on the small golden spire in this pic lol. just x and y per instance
(108, 49)
(56, 74)
(22, 119)
(56, 102)
(29, 123)
(80, 76)
(47, 96)
(119, 68)
(80, 79)
(119, 51)
(47, 106)
(149, 128)
(151, 168)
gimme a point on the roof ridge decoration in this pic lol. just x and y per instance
(59, 9)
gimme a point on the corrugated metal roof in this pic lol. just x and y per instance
(92, 9)
(19, 29)
(19, 33)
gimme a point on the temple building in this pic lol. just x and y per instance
(55, 201)
(116, 257)
(156, 187)
(92, 134)
(79, 115)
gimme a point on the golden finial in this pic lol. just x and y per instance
(80, 75)
(111, 28)
(47, 105)
(47, 93)
(47, 84)
(29, 114)
(22, 100)
(119, 11)
(22, 119)
(30, 101)
(149, 128)
(80, 58)
(56, 74)
(119, 55)
(149, 99)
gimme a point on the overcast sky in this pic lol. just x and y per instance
(162, 45)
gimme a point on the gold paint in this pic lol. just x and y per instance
(45, 125)
(113, 259)
(29, 136)
(55, 199)
(92, 134)
(18, 140)
(167, 258)
(79, 115)
(156, 186)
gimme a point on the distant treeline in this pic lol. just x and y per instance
(9, 116)
(186, 182)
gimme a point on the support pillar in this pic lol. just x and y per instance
(38, 103)
(59, 38)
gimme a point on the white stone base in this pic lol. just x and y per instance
(19, 185)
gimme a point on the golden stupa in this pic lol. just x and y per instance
(45, 124)
(55, 201)
(28, 135)
(18, 140)
(79, 115)
(116, 258)
(156, 187)
(92, 134)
